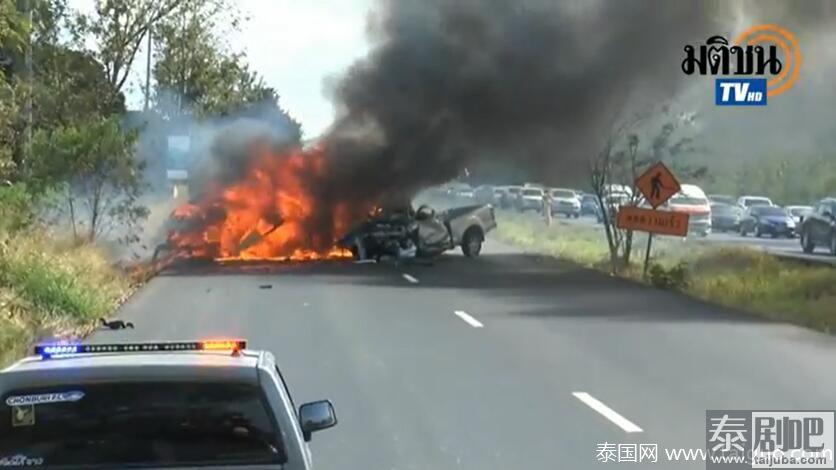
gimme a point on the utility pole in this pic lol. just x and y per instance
(148, 72)
(31, 80)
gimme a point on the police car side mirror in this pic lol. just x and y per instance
(316, 416)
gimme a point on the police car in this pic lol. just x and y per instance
(152, 405)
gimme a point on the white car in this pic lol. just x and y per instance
(152, 405)
(566, 202)
(691, 199)
(508, 196)
(799, 212)
(530, 199)
(746, 202)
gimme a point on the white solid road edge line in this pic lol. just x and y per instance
(607, 412)
(410, 278)
(468, 319)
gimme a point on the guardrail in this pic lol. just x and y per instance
(809, 259)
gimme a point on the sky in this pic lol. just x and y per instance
(297, 46)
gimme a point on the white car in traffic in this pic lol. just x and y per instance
(566, 202)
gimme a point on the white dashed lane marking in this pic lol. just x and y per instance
(410, 278)
(607, 412)
(468, 319)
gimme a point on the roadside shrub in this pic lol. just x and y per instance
(674, 278)
(71, 281)
(16, 211)
(726, 258)
(52, 288)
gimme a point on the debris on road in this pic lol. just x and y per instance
(116, 324)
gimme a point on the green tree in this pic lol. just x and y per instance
(72, 86)
(93, 166)
(118, 28)
(66, 83)
(197, 74)
(14, 29)
(8, 116)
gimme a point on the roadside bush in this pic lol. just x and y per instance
(15, 208)
(76, 282)
(50, 288)
(675, 278)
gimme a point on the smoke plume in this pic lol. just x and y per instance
(523, 84)
(528, 83)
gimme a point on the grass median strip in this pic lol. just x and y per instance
(742, 278)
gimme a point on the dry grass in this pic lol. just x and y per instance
(50, 288)
(742, 278)
(581, 244)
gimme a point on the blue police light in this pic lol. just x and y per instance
(53, 349)
(48, 350)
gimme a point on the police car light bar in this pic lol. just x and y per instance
(61, 349)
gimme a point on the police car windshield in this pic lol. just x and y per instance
(139, 425)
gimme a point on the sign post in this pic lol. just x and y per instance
(657, 185)
(647, 255)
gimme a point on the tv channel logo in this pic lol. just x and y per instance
(740, 92)
(753, 58)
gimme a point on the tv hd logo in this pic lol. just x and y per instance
(753, 52)
(740, 91)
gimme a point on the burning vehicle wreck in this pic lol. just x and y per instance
(257, 198)
(288, 205)
(402, 232)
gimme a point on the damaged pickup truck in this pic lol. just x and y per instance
(195, 232)
(404, 233)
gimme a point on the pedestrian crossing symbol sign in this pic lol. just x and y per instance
(657, 184)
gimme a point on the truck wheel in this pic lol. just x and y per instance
(472, 243)
(806, 243)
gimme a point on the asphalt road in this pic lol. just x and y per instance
(502, 383)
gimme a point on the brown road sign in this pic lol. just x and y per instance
(648, 220)
(657, 184)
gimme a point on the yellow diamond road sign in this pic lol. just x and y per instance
(657, 184)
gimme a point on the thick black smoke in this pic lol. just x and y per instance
(521, 84)
(524, 82)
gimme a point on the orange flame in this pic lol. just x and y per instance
(272, 213)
